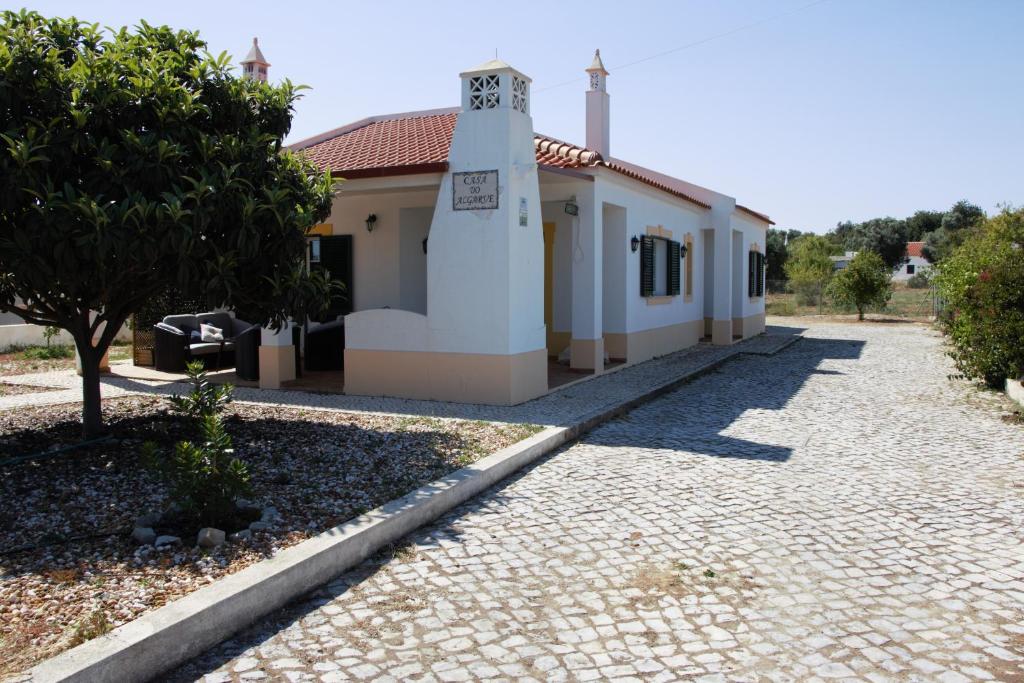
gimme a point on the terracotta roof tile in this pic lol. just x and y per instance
(755, 214)
(418, 142)
(914, 249)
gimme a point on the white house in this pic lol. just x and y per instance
(916, 263)
(476, 251)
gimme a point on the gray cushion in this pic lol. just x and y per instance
(169, 328)
(204, 348)
(182, 320)
(221, 320)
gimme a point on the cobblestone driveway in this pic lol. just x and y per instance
(838, 511)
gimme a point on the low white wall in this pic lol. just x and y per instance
(32, 335)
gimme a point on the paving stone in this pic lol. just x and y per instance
(857, 508)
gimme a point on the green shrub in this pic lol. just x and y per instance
(205, 478)
(864, 283)
(47, 352)
(982, 283)
(206, 398)
(920, 280)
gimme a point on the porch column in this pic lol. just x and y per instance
(277, 357)
(721, 223)
(586, 348)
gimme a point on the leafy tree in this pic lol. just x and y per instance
(982, 282)
(810, 267)
(133, 161)
(922, 223)
(886, 237)
(956, 225)
(864, 283)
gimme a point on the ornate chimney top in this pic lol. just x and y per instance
(255, 65)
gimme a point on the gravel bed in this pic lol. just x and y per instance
(69, 570)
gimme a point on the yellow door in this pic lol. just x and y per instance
(549, 265)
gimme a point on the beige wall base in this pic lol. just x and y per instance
(557, 342)
(636, 347)
(277, 365)
(586, 354)
(459, 377)
(751, 325)
(707, 327)
(721, 332)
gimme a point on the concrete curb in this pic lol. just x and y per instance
(165, 638)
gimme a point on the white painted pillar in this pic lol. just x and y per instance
(721, 223)
(586, 348)
(277, 357)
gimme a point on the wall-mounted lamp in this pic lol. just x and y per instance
(371, 222)
(682, 251)
(425, 243)
(634, 244)
(572, 208)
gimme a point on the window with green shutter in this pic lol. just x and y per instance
(673, 269)
(336, 259)
(751, 273)
(646, 266)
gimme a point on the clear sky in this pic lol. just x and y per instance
(836, 110)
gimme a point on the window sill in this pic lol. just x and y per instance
(659, 300)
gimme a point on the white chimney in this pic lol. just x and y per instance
(597, 108)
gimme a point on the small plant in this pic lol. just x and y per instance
(205, 478)
(710, 573)
(206, 398)
(49, 332)
(920, 280)
(47, 352)
(92, 626)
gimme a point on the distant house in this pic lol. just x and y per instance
(917, 263)
(840, 262)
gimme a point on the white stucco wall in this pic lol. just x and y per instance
(920, 264)
(377, 256)
(414, 226)
(753, 233)
(648, 207)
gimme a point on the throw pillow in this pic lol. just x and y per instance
(210, 333)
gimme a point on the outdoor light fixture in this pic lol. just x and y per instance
(634, 243)
(371, 222)
(572, 208)
(425, 243)
(682, 251)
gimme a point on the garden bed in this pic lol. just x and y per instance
(70, 568)
(30, 360)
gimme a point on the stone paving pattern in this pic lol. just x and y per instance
(840, 511)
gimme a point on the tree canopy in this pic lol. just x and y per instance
(133, 161)
(865, 282)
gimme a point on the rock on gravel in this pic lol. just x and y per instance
(144, 535)
(166, 540)
(209, 537)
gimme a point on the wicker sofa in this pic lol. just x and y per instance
(175, 344)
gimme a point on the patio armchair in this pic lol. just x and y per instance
(325, 346)
(247, 354)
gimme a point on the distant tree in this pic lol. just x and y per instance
(922, 223)
(886, 237)
(956, 226)
(864, 283)
(809, 267)
(776, 255)
(133, 162)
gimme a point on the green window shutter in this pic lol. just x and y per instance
(673, 268)
(751, 273)
(646, 266)
(760, 274)
(336, 259)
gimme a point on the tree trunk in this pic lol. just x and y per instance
(92, 414)
(860, 313)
